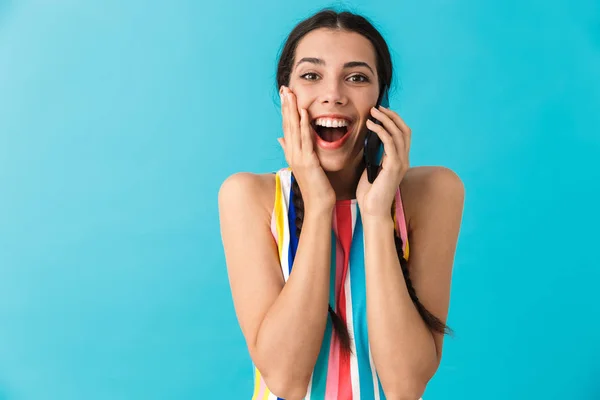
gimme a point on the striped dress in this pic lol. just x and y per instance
(336, 375)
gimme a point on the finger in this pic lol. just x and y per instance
(405, 136)
(305, 132)
(400, 123)
(390, 125)
(284, 119)
(389, 147)
(294, 119)
(290, 147)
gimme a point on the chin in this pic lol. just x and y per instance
(333, 163)
(332, 166)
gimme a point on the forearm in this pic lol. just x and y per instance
(402, 345)
(290, 335)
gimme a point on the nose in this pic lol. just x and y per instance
(333, 93)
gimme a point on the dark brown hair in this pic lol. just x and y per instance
(347, 21)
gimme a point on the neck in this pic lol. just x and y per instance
(345, 181)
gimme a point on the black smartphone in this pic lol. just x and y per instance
(373, 152)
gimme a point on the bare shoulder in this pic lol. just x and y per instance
(431, 177)
(425, 186)
(256, 191)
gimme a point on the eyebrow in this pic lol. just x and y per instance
(319, 61)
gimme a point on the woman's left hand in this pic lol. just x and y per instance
(375, 200)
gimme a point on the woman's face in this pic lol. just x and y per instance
(335, 74)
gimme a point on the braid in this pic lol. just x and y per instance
(431, 320)
(339, 325)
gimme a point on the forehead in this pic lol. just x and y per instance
(336, 47)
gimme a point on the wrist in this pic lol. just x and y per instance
(377, 221)
(318, 211)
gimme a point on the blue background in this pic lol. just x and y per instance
(119, 121)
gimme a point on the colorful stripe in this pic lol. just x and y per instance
(319, 378)
(257, 381)
(359, 313)
(292, 226)
(350, 323)
(261, 392)
(337, 374)
(345, 228)
(334, 347)
(400, 222)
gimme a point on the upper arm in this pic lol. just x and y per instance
(436, 215)
(251, 255)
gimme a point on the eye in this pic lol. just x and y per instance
(362, 78)
(306, 76)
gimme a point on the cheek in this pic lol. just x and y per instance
(363, 120)
(361, 129)
(302, 97)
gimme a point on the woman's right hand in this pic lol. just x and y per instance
(298, 147)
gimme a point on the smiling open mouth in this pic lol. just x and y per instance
(331, 134)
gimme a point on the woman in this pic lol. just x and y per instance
(334, 308)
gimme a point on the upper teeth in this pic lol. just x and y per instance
(331, 122)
